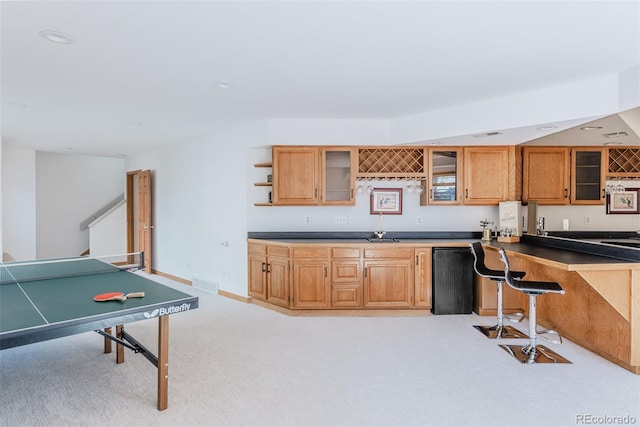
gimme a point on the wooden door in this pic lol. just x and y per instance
(388, 283)
(278, 281)
(139, 226)
(295, 175)
(338, 169)
(257, 276)
(486, 175)
(423, 278)
(145, 228)
(311, 285)
(545, 175)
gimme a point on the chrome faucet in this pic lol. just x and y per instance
(380, 232)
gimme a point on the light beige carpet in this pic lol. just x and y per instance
(236, 364)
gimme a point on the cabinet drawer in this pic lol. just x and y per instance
(257, 248)
(311, 252)
(345, 271)
(349, 296)
(345, 252)
(388, 253)
(278, 251)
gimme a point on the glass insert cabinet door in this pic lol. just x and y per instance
(338, 175)
(444, 176)
(588, 176)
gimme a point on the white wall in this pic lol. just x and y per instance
(69, 189)
(199, 204)
(108, 234)
(19, 202)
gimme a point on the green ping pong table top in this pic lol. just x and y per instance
(37, 310)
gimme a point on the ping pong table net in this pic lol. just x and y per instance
(28, 271)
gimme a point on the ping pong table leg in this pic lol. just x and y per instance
(119, 347)
(163, 362)
(107, 341)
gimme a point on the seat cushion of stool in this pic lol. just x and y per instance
(532, 287)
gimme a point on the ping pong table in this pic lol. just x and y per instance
(48, 299)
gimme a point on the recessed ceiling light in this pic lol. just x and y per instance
(224, 85)
(615, 134)
(588, 128)
(56, 37)
(134, 124)
(484, 135)
(549, 127)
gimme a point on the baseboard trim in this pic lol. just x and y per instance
(221, 292)
(233, 296)
(172, 277)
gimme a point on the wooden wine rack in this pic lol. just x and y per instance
(624, 163)
(388, 163)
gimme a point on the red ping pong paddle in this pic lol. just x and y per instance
(117, 296)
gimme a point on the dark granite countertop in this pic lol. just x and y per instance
(569, 251)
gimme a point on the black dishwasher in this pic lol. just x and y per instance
(452, 282)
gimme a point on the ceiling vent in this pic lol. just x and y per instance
(615, 134)
(484, 135)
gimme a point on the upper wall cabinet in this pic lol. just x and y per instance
(338, 180)
(588, 166)
(296, 175)
(545, 175)
(487, 175)
(444, 181)
(310, 175)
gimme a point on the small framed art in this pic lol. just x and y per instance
(387, 201)
(623, 202)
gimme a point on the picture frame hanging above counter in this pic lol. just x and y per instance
(386, 201)
(623, 202)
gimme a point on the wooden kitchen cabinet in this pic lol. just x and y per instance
(487, 174)
(444, 182)
(269, 273)
(296, 175)
(423, 277)
(545, 175)
(346, 277)
(311, 282)
(588, 167)
(388, 277)
(337, 170)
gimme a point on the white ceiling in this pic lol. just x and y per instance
(145, 74)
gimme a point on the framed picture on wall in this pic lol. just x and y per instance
(623, 202)
(387, 201)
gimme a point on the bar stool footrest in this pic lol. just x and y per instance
(543, 334)
(504, 332)
(540, 354)
(516, 317)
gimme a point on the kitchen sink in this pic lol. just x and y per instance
(382, 240)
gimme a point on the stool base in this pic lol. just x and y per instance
(541, 354)
(498, 331)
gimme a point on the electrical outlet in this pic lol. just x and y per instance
(419, 220)
(587, 219)
(307, 219)
(565, 224)
(340, 219)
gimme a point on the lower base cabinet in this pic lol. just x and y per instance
(388, 283)
(322, 277)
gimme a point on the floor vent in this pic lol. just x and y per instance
(205, 284)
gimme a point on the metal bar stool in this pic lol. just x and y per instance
(533, 353)
(499, 330)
